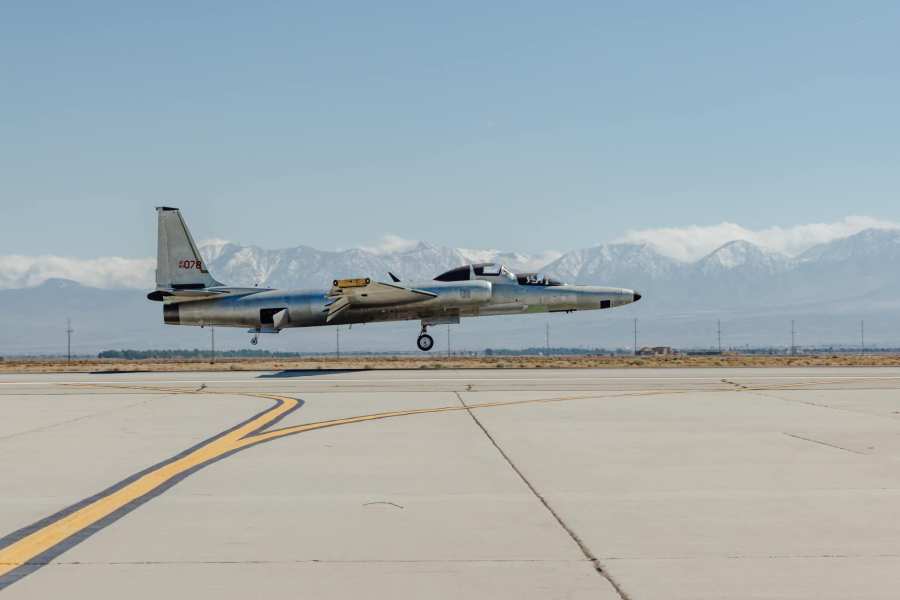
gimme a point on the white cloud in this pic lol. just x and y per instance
(213, 242)
(513, 260)
(479, 256)
(212, 248)
(390, 243)
(695, 241)
(18, 271)
(683, 243)
(542, 259)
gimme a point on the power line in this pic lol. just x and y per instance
(862, 337)
(69, 332)
(635, 336)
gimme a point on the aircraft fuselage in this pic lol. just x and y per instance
(192, 296)
(308, 308)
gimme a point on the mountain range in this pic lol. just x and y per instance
(302, 266)
(740, 274)
(756, 292)
(737, 274)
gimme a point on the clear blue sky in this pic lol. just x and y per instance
(525, 125)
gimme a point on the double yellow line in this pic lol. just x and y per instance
(34, 546)
(31, 546)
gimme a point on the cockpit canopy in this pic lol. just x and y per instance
(477, 271)
(467, 272)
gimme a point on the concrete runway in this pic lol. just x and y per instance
(638, 484)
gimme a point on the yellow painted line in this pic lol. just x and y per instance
(26, 549)
(34, 544)
(277, 433)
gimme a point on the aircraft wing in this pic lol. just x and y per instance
(365, 293)
(184, 295)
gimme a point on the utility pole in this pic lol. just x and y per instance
(793, 339)
(69, 332)
(719, 333)
(635, 336)
(548, 338)
(212, 345)
(448, 340)
(337, 333)
(862, 337)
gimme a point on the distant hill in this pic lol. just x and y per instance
(754, 291)
(305, 267)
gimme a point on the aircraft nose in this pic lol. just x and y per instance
(636, 297)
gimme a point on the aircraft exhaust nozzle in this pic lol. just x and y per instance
(171, 314)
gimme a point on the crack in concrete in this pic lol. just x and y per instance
(571, 533)
(101, 413)
(384, 503)
(758, 392)
(821, 443)
(739, 386)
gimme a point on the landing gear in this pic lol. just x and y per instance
(425, 342)
(255, 339)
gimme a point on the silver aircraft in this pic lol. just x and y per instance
(191, 296)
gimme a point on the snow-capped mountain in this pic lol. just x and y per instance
(302, 266)
(874, 244)
(741, 274)
(753, 290)
(613, 262)
(516, 261)
(858, 266)
(618, 264)
(744, 256)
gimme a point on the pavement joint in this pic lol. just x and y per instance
(35, 545)
(637, 468)
(569, 531)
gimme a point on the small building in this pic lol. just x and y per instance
(656, 351)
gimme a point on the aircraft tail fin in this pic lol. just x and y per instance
(179, 265)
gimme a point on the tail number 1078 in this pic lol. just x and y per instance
(190, 263)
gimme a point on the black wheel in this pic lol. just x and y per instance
(425, 342)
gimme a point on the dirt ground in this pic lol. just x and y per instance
(443, 362)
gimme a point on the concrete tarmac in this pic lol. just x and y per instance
(637, 484)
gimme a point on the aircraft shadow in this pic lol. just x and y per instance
(306, 373)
